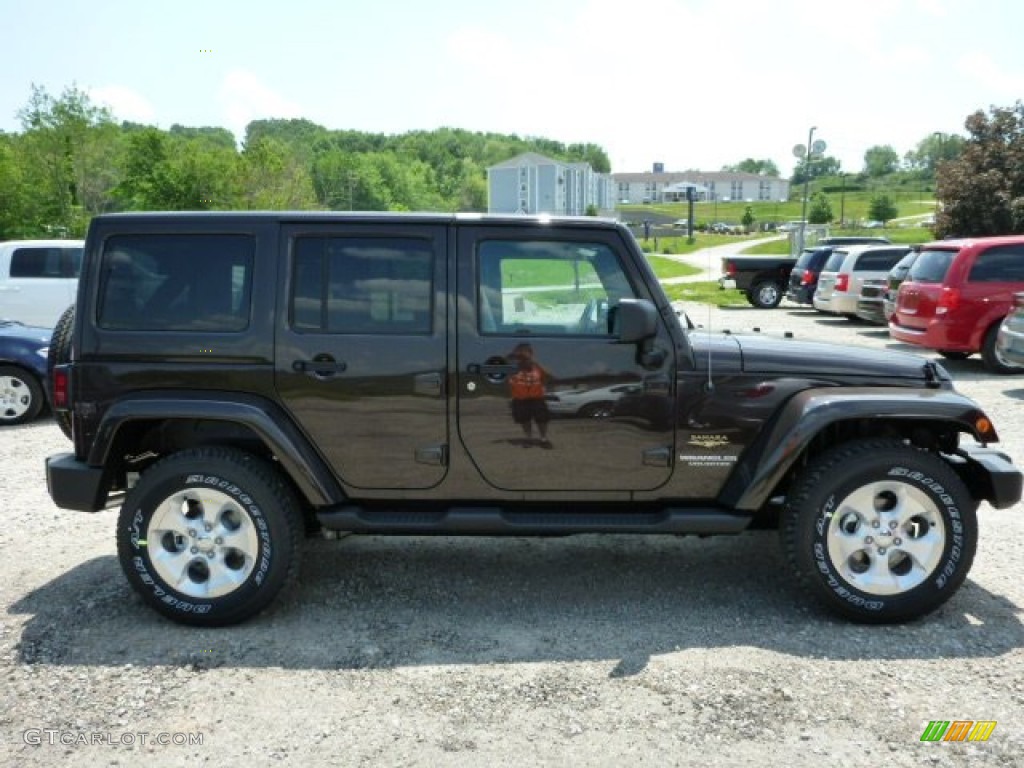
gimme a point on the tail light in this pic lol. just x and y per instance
(808, 278)
(949, 301)
(842, 283)
(61, 380)
(730, 268)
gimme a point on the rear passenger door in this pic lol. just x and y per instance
(992, 279)
(361, 351)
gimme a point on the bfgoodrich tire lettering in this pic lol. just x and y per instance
(879, 531)
(209, 536)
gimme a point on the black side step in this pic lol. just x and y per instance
(535, 521)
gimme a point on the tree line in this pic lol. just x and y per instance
(72, 160)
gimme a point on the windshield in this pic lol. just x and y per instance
(931, 266)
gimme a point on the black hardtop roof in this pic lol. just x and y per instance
(367, 217)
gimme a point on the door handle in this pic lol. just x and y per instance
(319, 367)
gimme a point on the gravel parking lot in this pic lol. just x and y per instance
(585, 650)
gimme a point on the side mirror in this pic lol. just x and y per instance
(634, 320)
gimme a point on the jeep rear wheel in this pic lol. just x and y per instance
(209, 536)
(879, 531)
(765, 294)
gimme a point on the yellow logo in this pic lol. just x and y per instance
(709, 441)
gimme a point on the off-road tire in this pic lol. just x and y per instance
(58, 354)
(211, 510)
(822, 516)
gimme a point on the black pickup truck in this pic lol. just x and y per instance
(764, 278)
(235, 380)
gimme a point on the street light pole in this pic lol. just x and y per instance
(807, 181)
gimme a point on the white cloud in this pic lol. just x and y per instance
(125, 103)
(244, 98)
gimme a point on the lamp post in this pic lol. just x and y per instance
(807, 182)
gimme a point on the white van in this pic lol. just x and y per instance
(38, 279)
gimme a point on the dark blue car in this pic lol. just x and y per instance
(23, 350)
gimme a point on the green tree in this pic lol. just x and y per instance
(882, 208)
(981, 192)
(881, 160)
(750, 165)
(820, 209)
(271, 178)
(748, 218)
(933, 149)
(68, 148)
(818, 167)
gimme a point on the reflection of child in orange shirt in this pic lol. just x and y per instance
(527, 388)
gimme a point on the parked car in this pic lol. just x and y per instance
(38, 279)
(896, 277)
(1010, 339)
(956, 296)
(803, 279)
(875, 305)
(23, 351)
(844, 274)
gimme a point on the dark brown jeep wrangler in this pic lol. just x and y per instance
(234, 380)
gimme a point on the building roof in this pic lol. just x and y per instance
(698, 177)
(527, 158)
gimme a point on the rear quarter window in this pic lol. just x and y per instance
(877, 261)
(199, 283)
(1000, 264)
(931, 266)
(835, 260)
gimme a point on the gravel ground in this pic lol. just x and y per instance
(583, 650)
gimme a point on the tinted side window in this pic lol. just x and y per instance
(362, 285)
(877, 261)
(549, 288)
(1003, 263)
(46, 262)
(835, 260)
(931, 266)
(176, 283)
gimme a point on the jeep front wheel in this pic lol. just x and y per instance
(209, 536)
(880, 531)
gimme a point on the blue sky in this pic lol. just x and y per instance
(691, 83)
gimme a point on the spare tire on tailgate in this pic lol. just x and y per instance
(58, 354)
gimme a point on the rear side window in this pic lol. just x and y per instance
(931, 266)
(835, 260)
(176, 283)
(877, 261)
(804, 259)
(362, 285)
(46, 262)
(1002, 263)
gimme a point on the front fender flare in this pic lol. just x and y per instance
(805, 415)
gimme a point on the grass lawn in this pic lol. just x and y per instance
(665, 268)
(705, 292)
(901, 235)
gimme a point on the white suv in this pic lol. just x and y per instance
(845, 272)
(38, 279)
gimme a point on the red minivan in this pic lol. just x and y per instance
(956, 295)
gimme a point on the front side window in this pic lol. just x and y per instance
(548, 287)
(362, 285)
(176, 283)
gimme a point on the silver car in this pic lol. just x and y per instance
(847, 270)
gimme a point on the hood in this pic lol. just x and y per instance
(14, 330)
(765, 354)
